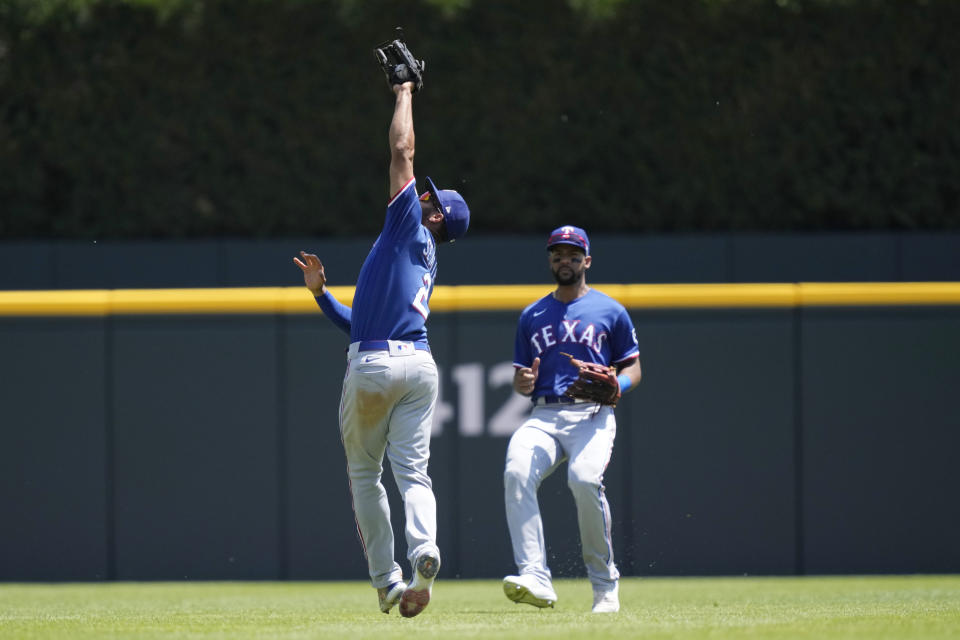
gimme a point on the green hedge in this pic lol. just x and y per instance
(137, 118)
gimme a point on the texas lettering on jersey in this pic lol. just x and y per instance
(547, 336)
(594, 327)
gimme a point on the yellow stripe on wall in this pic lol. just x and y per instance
(879, 293)
(291, 300)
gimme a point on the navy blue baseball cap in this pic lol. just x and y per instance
(569, 235)
(456, 214)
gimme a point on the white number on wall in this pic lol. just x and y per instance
(513, 412)
(469, 379)
(471, 393)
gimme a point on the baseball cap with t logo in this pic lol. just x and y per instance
(569, 235)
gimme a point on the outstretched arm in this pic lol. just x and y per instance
(401, 138)
(315, 278)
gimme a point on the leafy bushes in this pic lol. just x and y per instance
(139, 118)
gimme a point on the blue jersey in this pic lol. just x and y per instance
(594, 328)
(393, 291)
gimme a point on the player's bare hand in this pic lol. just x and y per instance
(313, 274)
(406, 86)
(525, 378)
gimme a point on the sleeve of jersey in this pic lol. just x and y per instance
(338, 313)
(624, 343)
(521, 346)
(403, 212)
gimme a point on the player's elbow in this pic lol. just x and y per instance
(402, 150)
(633, 371)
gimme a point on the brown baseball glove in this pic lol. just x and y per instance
(594, 383)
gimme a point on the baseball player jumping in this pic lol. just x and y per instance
(573, 322)
(391, 382)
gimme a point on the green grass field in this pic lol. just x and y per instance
(915, 607)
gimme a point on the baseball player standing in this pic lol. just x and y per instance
(592, 327)
(391, 382)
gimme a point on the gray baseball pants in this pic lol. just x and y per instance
(387, 408)
(584, 437)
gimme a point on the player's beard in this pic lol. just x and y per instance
(566, 276)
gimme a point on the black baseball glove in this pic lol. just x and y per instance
(398, 63)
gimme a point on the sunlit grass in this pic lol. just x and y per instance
(920, 607)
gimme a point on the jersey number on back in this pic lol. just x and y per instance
(420, 300)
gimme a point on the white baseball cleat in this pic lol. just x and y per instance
(390, 595)
(528, 590)
(606, 598)
(417, 596)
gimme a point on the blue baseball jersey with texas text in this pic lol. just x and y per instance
(393, 291)
(594, 328)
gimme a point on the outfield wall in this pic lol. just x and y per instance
(182, 435)
(501, 259)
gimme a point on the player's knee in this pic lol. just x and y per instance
(516, 478)
(410, 477)
(369, 475)
(582, 480)
(512, 476)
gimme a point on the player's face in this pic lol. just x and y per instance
(429, 209)
(428, 205)
(567, 263)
